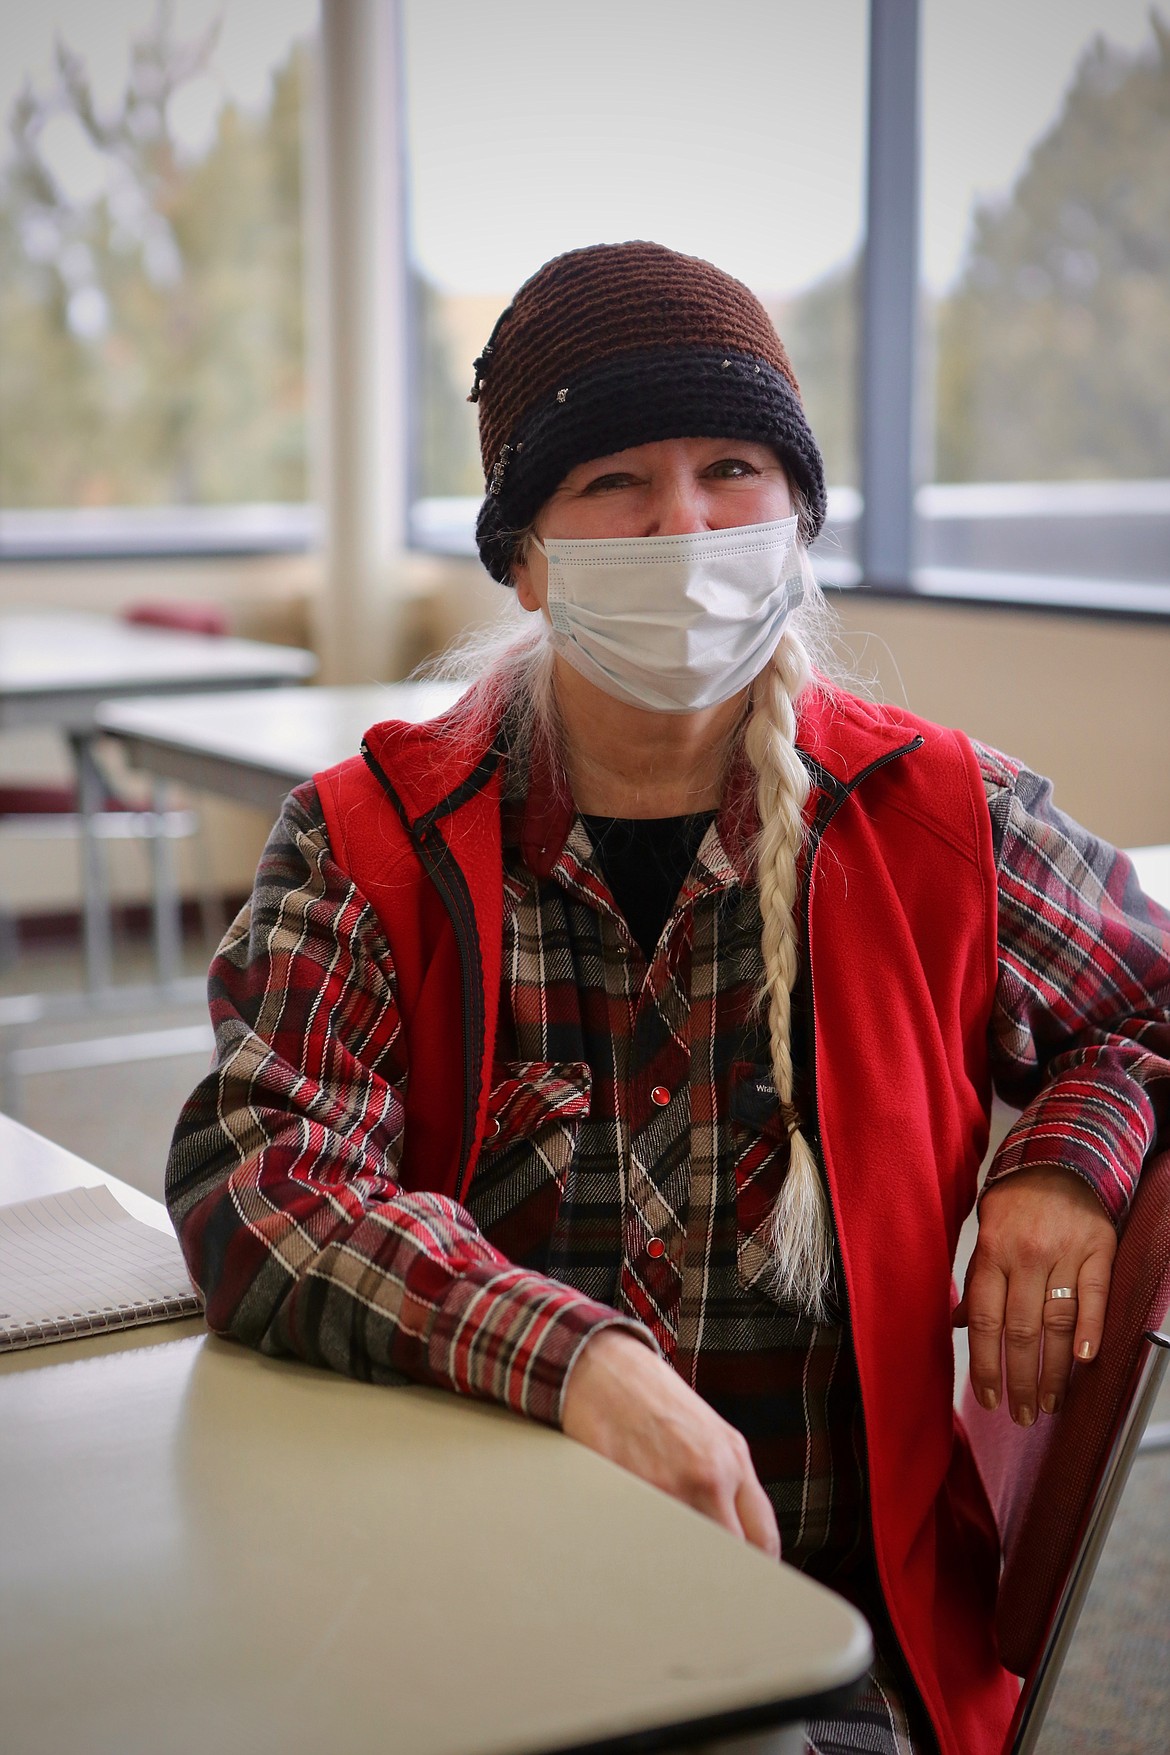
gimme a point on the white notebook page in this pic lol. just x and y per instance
(78, 1261)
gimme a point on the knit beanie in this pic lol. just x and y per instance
(618, 345)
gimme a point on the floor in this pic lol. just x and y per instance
(1114, 1695)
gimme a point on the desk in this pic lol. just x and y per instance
(31, 1165)
(54, 670)
(256, 747)
(1152, 865)
(205, 1549)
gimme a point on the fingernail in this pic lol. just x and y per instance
(1048, 1403)
(990, 1399)
(1085, 1350)
(1025, 1415)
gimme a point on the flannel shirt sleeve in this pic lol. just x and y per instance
(1080, 1031)
(282, 1183)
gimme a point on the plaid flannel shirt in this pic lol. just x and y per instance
(636, 1149)
(282, 1184)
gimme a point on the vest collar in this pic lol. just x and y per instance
(433, 762)
(436, 762)
(841, 736)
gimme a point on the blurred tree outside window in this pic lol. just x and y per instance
(1053, 349)
(151, 261)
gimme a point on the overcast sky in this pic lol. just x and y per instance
(732, 130)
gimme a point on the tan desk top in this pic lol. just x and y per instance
(202, 1549)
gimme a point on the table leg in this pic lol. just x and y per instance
(11, 1084)
(95, 893)
(168, 924)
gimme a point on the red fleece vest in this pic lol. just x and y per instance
(902, 956)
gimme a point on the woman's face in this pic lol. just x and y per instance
(672, 487)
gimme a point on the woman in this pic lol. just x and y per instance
(620, 1047)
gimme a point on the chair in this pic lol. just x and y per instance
(44, 809)
(1055, 1486)
(47, 811)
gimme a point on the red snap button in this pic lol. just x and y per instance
(660, 1095)
(656, 1247)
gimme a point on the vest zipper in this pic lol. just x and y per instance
(444, 872)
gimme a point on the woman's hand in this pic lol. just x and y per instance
(627, 1403)
(1038, 1229)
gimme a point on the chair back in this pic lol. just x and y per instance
(1055, 1486)
(37, 799)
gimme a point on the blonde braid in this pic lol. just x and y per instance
(800, 1230)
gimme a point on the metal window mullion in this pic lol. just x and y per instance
(889, 313)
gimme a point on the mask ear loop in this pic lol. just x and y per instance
(554, 592)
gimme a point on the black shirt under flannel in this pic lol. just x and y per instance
(634, 1148)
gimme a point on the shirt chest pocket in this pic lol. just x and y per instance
(535, 1112)
(760, 1153)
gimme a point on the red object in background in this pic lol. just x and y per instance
(181, 618)
(27, 801)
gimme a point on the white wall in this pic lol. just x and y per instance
(1084, 700)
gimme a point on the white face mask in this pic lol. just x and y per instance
(674, 622)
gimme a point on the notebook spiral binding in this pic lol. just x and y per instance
(92, 1322)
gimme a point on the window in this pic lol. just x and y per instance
(532, 130)
(152, 382)
(1046, 262)
(1044, 436)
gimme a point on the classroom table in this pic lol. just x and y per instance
(256, 746)
(56, 668)
(206, 1549)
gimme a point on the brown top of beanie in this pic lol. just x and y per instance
(606, 300)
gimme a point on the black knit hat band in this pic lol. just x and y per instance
(636, 398)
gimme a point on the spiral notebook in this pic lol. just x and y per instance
(77, 1263)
